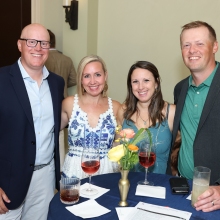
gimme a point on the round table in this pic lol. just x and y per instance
(110, 200)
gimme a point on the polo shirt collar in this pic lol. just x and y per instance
(208, 81)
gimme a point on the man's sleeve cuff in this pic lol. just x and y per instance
(217, 182)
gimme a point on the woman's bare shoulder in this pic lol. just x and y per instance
(172, 109)
(116, 104)
(67, 102)
(171, 115)
(120, 115)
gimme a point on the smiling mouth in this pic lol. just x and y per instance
(142, 93)
(36, 55)
(194, 58)
(93, 87)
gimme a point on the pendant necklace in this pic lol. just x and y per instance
(145, 121)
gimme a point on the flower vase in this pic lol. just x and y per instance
(124, 185)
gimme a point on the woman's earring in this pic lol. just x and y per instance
(83, 91)
(104, 92)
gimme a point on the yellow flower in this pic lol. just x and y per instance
(133, 148)
(116, 153)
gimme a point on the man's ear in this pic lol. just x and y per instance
(215, 47)
(19, 45)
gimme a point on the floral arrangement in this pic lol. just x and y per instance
(126, 154)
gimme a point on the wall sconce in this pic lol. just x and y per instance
(71, 11)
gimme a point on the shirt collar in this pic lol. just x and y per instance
(208, 81)
(26, 75)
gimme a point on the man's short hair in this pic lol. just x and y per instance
(196, 24)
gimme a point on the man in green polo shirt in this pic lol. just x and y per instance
(198, 109)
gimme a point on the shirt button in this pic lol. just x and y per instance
(196, 105)
(198, 93)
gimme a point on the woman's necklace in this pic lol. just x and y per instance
(145, 121)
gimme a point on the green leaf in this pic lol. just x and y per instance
(143, 133)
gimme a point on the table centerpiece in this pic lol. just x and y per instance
(126, 155)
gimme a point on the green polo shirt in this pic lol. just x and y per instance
(189, 121)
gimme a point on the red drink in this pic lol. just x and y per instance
(146, 160)
(91, 166)
(69, 196)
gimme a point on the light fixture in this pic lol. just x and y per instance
(71, 11)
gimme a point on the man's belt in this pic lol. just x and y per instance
(38, 167)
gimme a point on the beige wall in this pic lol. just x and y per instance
(124, 31)
(148, 30)
(49, 13)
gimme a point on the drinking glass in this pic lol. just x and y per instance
(90, 164)
(69, 190)
(201, 178)
(147, 158)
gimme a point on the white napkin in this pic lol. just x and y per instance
(125, 212)
(189, 197)
(151, 191)
(101, 191)
(88, 209)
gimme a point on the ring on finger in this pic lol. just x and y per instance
(212, 203)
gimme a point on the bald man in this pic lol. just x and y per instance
(30, 110)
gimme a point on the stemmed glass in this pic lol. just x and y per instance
(90, 164)
(147, 158)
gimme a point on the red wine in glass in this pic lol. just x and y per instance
(147, 158)
(90, 164)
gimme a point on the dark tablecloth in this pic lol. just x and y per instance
(110, 200)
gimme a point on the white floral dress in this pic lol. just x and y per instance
(80, 134)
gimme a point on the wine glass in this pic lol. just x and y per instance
(90, 164)
(147, 158)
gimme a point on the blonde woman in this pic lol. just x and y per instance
(90, 115)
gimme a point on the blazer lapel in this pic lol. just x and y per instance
(21, 92)
(54, 95)
(213, 95)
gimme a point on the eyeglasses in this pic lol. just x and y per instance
(33, 43)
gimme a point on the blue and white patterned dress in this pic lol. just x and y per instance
(102, 137)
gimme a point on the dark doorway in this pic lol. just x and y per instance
(14, 15)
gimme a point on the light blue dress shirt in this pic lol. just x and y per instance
(42, 112)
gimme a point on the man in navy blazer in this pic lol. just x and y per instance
(30, 110)
(197, 100)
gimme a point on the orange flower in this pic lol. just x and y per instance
(132, 147)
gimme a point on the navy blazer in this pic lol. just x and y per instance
(206, 146)
(17, 135)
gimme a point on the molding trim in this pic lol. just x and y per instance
(35, 11)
